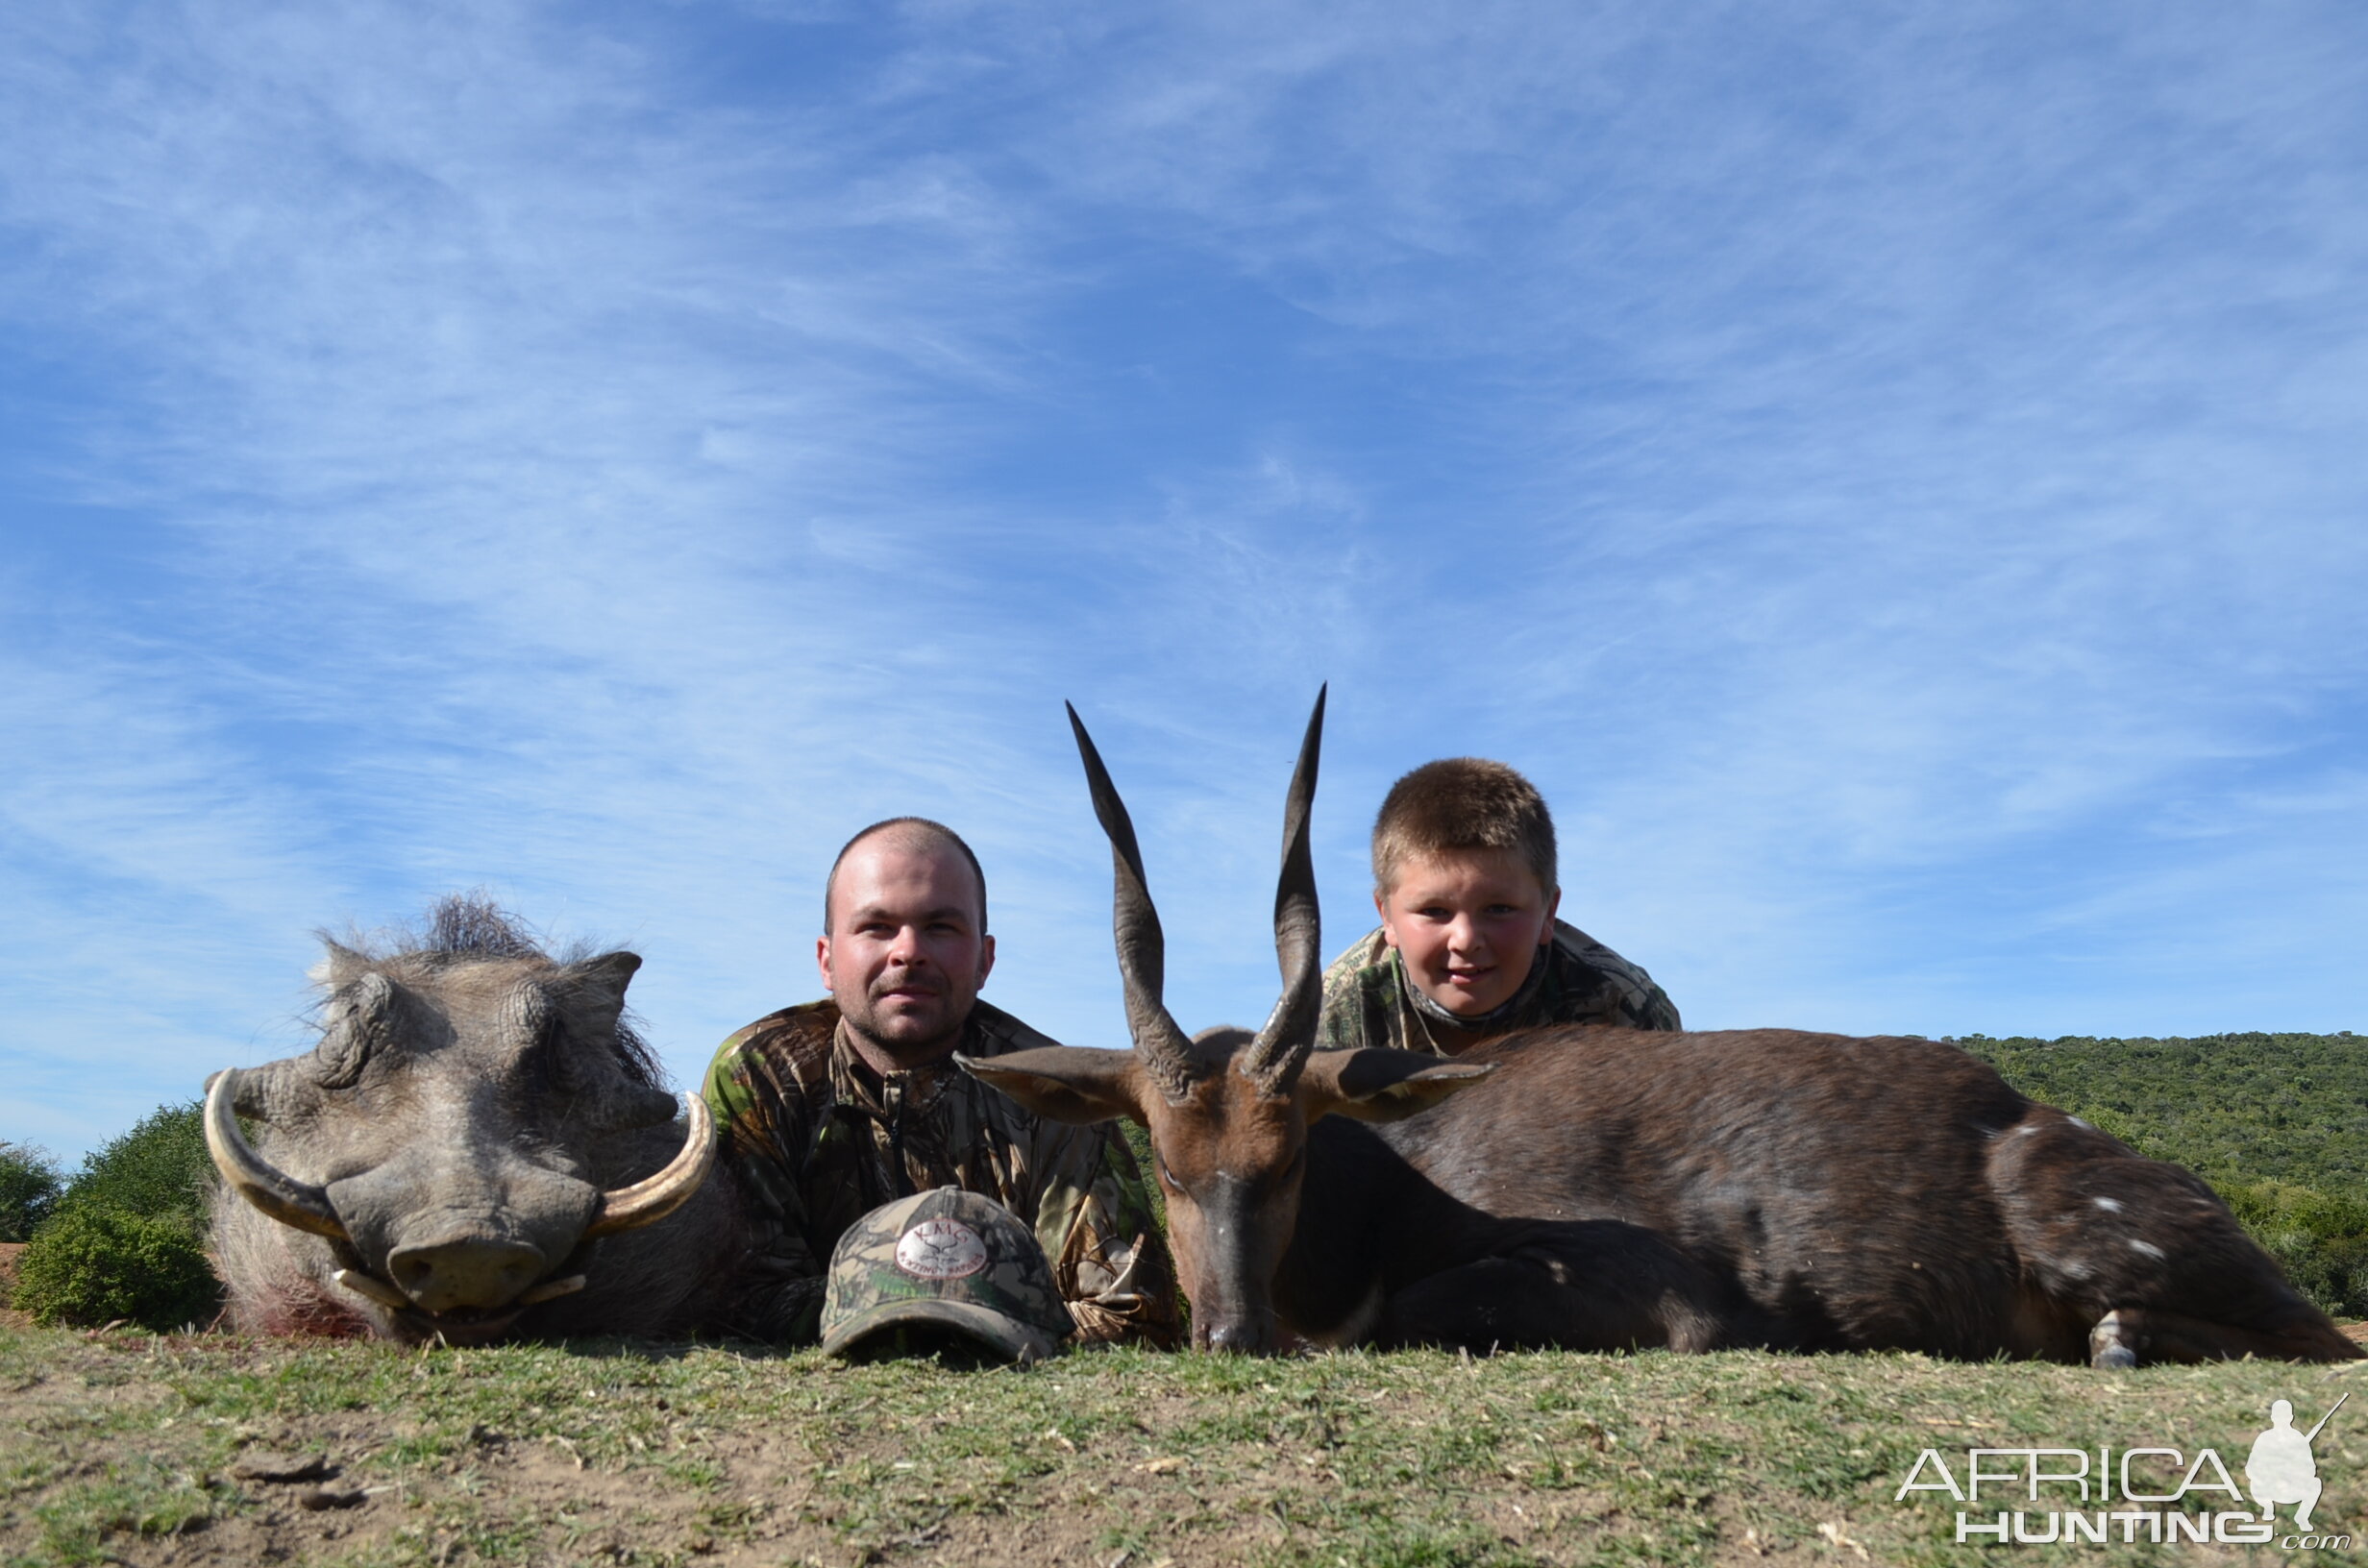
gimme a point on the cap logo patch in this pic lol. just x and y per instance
(941, 1249)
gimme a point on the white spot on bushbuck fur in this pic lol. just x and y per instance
(2081, 1125)
(2112, 1206)
(2146, 1247)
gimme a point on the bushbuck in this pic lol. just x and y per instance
(445, 1162)
(1593, 1187)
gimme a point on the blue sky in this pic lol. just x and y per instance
(1894, 478)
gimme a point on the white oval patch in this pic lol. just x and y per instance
(941, 1249)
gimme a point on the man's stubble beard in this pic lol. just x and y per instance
(910, 1051)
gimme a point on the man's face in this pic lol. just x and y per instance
(1469, 924)
(905, 957)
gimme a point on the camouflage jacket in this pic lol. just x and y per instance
(818, 1140)
(1368, 999)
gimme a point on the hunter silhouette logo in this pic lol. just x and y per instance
(2281, 1469)
(2160, 1495)
(941, 1249)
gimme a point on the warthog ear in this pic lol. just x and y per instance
(1066, 1082)
(339, 966)
(1383, 1085)
(607, 976)
(593, 992)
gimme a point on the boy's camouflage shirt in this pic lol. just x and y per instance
(1368, 999)
(818, 1140)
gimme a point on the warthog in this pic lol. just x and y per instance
(478, 1146)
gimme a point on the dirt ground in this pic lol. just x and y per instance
(297, 1492)
(210, 1450)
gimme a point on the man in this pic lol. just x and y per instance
(834, 1108)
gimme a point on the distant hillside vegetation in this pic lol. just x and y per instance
(2288, 1107)
(2277, 1123)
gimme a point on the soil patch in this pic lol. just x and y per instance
(214, 1449)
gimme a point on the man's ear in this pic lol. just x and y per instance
(986, 957)
(1375, 1085)
(821, 959)
(1066, 1082)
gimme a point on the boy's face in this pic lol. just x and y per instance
(1469, 924)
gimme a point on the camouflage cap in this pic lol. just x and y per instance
(946, 1259)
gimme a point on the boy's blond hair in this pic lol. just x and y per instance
(1461, 803)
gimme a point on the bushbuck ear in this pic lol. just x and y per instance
(1383, 1085)
(1066, 1082)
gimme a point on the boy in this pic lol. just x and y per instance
(1468, 947)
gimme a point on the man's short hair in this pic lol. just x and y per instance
(910, 833)
(1461, 803)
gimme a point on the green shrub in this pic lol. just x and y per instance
(158, 1169)
(2241, 1108)
(29, 1183)
(2320, 1240)
(126, 1237)
(1139, 1144)
(94, 1264)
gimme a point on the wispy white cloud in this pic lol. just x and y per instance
(1895, 484)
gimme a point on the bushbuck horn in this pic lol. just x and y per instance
(251, 1176)
(1165, 1049)
(652, 1198)
(1273, 1060)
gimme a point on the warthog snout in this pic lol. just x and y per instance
(465, 1274)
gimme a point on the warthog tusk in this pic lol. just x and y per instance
(653, 1199)
(551, 1290)
(372, 1287)
(252, 1177)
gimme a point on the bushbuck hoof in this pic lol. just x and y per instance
(2108, 1346)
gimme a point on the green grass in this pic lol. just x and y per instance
(120, 1448)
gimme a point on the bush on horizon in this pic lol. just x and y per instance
(29, 1189)
(126, 1237)
(160, 1167)
(95, 1264)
